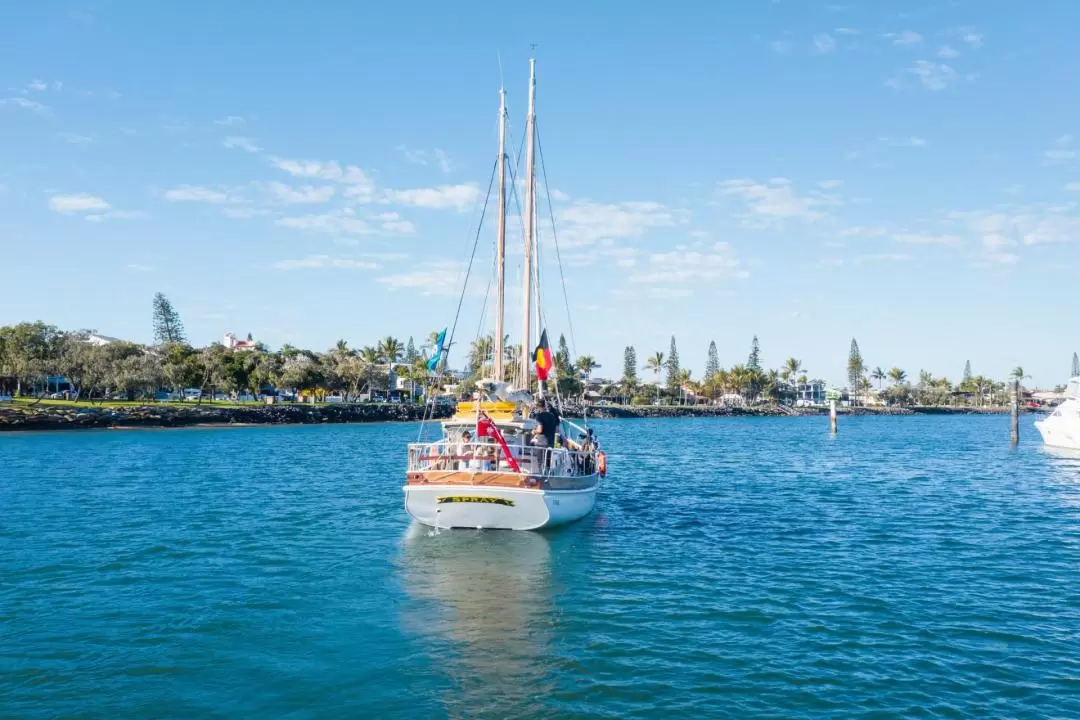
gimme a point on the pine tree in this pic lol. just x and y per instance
(1075, 366)
(855, 367)
(754, 361)
(629, 373)
(563, 360)
(410, 352)
(712, 364)
(967, 373)
(673, 378)
(167, 325)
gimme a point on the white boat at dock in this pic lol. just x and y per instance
(495, 466)
(1061, 429)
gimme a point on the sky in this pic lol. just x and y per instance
(904, 173)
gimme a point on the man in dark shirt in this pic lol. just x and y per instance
(546, 424)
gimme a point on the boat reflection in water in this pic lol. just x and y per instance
(484, 609)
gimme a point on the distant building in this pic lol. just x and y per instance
(98, 340)
(232, 343)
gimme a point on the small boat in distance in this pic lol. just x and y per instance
(1062, 428)
(503, 462)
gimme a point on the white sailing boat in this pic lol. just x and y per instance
(1062, 428)
(489, 470)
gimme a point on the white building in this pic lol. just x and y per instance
(232, 343)
(99, 340)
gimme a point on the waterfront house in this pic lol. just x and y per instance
(232, 343)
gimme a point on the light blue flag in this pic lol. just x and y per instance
(433, 363)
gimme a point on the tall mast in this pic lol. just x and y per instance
(500, 247)
(530, 182)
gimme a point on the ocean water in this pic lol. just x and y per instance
(909, 567)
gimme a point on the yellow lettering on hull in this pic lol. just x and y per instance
(473, 499)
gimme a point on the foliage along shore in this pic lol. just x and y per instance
(71, 417)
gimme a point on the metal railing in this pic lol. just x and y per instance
(489, 457)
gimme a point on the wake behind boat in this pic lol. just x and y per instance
(506, 460)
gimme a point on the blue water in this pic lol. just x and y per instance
(914, 567)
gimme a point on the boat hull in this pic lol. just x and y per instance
(1058, 433)
(503, 508)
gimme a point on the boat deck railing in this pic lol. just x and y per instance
(490, 457)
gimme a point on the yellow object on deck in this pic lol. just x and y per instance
(498, 410)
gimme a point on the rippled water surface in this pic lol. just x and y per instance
(913, 567)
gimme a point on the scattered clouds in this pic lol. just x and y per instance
(971, 37)
(307, 194)
(230, 121)
(847, 31)
(423, 157)
(927, 239)
(684, 266)
(80, 202)
(948, 53)
(25, 104)
(37, 86)
(586, 222)
(772, 201)
(76, 139)
(443, 161)
(905, 38)
(929, 75)
(1072, 187)
(318, 262)
(824, 44)
(864, 232)
(457, 197)
(135, 267)
(241, 143)
(904, 142)
(434, 278)
(392, 222)
(882, 257)
(342, 221)
(1062, 152)
(830, 184)
(195, 193)
(781, 47)
(243, 213)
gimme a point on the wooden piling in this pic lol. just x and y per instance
(832, 417)
(1014, 436)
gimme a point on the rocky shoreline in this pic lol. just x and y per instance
(68, 417)
(50, 417)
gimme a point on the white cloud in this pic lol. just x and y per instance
(781, 47)
(905, 38)
(973, 39)
(457, 197)
(230, 121)
(586, 222)
(830, 184)
(435, 278)
(37, 85)
(315, 262)
(930, 75)
(775, 200)
(904, 142)
(680, 267)
(135, 267)
(195, 193)
(412, 155)
(926, 239)
(824, 44)
(1026, 225)
(338, 221)
(864, 232)
(307, 194)
(241, 143)
(847, 31)
(443, 161)
(392, 222)
(75, 139)
(80, 202)
(667, 293)
(25, 104)
(948, 53)
(1072, 187)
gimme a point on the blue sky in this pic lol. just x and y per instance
(904, 173)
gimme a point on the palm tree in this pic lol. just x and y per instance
(391, 349)
(684, 380)
(480, 352)
(370, 358)
(879, 375)
(896, 375)
(791, 369)
(656, 364)
(586, 364)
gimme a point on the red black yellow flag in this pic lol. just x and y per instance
(542, 357)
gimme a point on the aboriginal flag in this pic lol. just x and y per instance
(542, 357)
